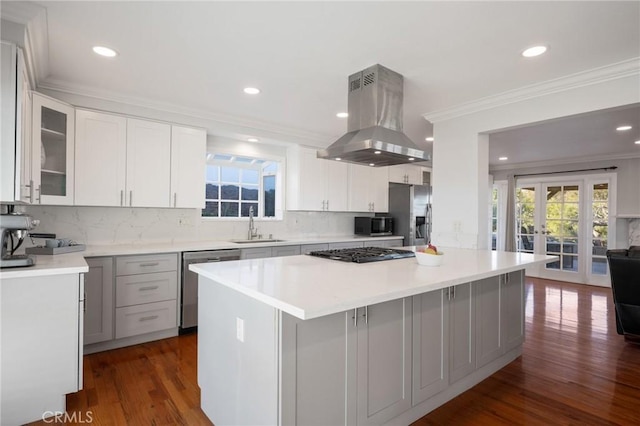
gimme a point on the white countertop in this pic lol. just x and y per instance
(310, 287)
(70, 262)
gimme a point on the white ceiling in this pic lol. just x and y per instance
(198, 56)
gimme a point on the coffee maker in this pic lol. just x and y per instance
(14, 228)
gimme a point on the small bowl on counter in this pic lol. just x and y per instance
(428, 259)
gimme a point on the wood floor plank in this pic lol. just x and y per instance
(574, 370)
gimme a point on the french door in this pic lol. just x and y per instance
(569, 219)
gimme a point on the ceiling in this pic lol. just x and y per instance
(198, 56)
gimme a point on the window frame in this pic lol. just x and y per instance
(263, 161)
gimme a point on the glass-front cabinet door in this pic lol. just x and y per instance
(53, 140)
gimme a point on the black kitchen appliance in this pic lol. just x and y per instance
(364, 254)
(377, 226)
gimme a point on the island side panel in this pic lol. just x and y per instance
(239, 380)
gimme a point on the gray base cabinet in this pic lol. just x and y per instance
(430, 344)
(319, 370)
(388, 363)
(384, 361)
(462, 354)
(360, 359)
(98, 287)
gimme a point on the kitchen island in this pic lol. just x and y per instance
(302, 340)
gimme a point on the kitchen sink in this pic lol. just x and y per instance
(256, 240)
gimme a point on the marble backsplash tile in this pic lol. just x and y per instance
(634, 232)
(115, 225)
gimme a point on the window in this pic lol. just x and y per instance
(494, 218)
(237, 185)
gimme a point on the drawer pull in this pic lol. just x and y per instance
(149, 318)
(149, 264)
(152, 287)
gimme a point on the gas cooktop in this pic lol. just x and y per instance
(363, 254)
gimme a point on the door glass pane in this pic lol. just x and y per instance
(525, 218)
(562, 226)
(599, 228)
(53, 155)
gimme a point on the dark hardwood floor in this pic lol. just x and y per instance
(575, 370)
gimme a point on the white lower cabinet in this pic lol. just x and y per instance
(40, 345)
(99, 296)
(430, 344)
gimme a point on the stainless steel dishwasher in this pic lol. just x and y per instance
(189, 290)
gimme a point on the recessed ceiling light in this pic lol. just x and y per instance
(429, 139)
(338, 158)
(376, 152)
(104, 51)
(503, 158)
(253, 139)
(534, 51)
(342, 114)
(637, 142)
(411, 158)
(623, 128)
(371, 164)
(251, 90)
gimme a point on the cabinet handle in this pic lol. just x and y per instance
(131, 198)
(151, 287)
(373, 207)
(30, 186)
(121, 197)
(149, 318)
(366, 315)
(149, 264)
(327, 205)
(448, 293)
(355, 317)
(39, 198)
(454, 292)
(175, 197)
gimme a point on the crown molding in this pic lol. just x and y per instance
(240, 124)
(610, 72)
(36, 44)
(560, 161)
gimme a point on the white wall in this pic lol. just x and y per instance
(460, 153)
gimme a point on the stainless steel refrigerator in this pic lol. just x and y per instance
(410, 207)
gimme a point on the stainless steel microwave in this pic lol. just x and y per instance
(377, 226)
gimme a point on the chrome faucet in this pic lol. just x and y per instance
(253, 231)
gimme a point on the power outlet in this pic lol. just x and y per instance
(457, 226)
(185, 221)
(240, 329)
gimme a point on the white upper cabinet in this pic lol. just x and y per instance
(53, 137)
(148, 163)
(188, 167)
(406, 173)
(101, 155)
(314, 184)
(129, 162)
(368, 189)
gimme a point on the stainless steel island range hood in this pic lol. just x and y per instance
(375, 136)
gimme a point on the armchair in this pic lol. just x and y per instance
(624, 266)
